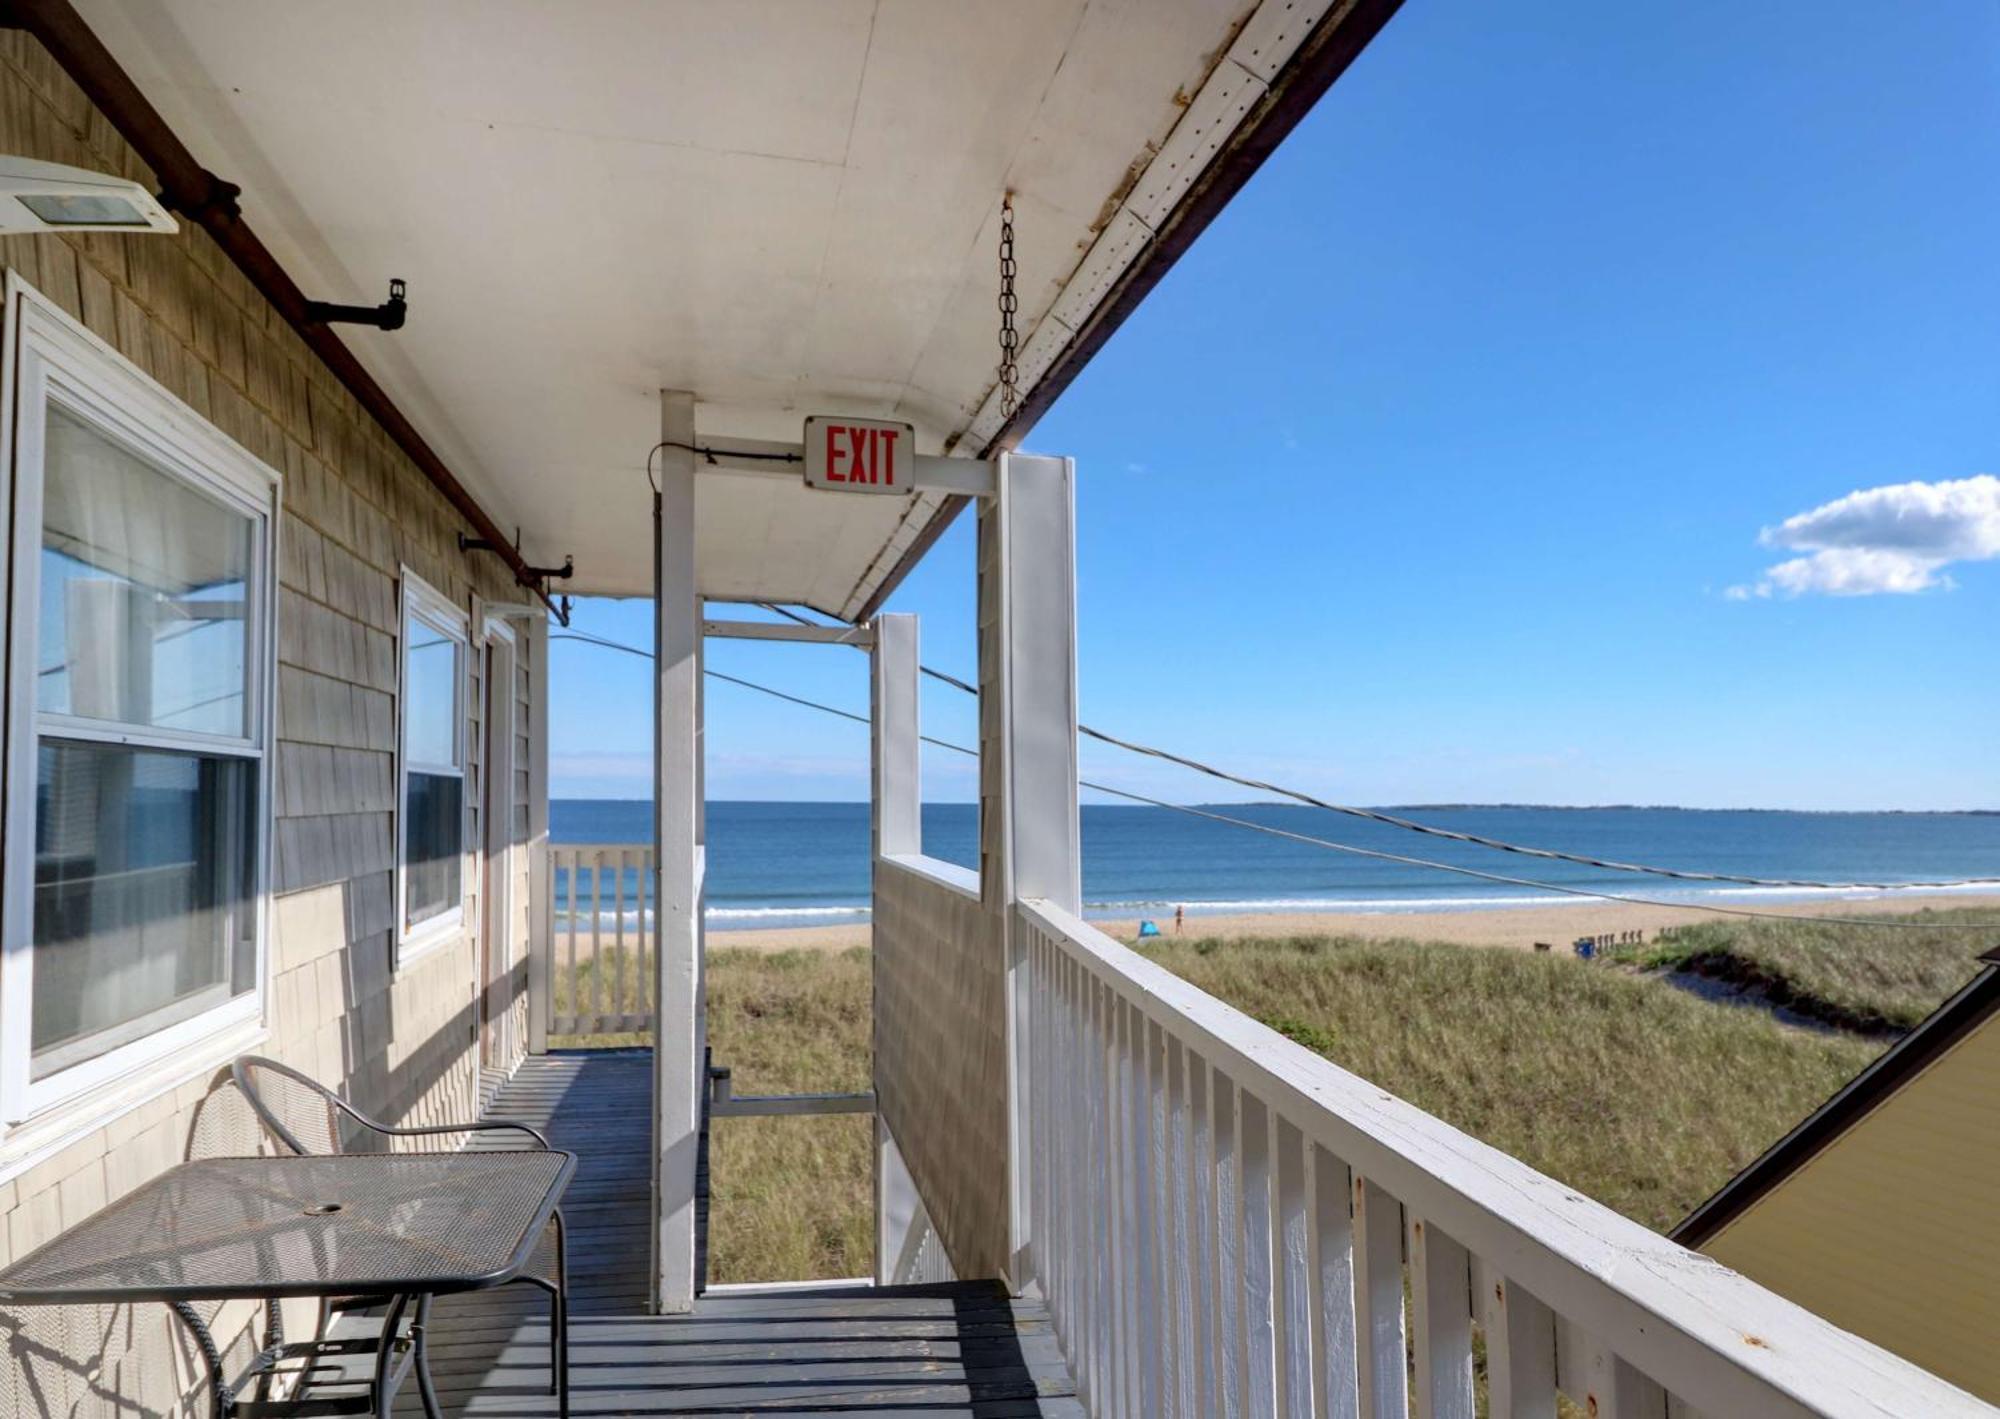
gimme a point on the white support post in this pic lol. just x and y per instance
(541, 884)
(677, 1060)
(898, 749)
(897, 821)
(1028, 748)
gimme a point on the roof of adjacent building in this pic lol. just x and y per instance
(1947, 1026)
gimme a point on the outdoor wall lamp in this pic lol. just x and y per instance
(50, 197)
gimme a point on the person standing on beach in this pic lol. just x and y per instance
(1180, 918)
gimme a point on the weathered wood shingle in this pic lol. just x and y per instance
(354, 511)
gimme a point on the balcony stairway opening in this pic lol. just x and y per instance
(961, 1349)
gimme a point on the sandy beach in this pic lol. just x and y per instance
(1518, 927)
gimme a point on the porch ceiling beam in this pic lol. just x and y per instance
(188, 188)
(777, 631)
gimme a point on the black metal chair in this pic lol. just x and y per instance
(304, 1116)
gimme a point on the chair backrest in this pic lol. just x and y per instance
(301, 1114)
(111, 1362)
(225, 1125)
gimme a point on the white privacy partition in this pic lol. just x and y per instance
(1222, 1219)
(941, 1053)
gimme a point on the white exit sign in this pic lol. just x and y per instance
(860, 455)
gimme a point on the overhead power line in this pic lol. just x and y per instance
(710, 453)
(1352, 849)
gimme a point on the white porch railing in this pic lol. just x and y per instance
(602, 938)
(1224, 1223)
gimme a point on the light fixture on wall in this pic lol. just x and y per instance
(49, 197)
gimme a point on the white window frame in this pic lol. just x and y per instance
(423, 602)
(48, 357)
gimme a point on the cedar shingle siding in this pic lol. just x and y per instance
(354, 510)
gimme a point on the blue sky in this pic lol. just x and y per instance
(1501, 442)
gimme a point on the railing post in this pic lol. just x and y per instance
(896, 827)
(1030, 839)
(541, 878)
(677, 1059)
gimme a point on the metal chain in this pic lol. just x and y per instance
(1010, 340)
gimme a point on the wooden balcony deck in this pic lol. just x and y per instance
(932, 1351)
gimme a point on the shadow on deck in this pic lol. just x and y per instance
(965, 1349)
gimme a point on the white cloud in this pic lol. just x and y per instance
(1890, 540)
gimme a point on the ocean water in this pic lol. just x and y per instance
(803, 864)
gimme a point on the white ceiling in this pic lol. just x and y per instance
(786, 206)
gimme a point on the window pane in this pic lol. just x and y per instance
(431, 690)
(433, 836)
(145, 891)
(144, 584)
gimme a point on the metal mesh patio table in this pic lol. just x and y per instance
(402, 1226)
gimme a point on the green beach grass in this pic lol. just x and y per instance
(791, 1198)
(1862, 978)
(1639, 1094)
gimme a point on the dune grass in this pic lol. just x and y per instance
(607, 980)
(791, 1198)
(1868, 978)
(1641, 1096)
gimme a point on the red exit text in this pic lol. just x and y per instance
(859, 455)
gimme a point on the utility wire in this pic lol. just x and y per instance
(1594, 894)
(1376, 815)
(710, 452)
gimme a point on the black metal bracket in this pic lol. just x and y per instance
(561, 573)
(386, 316)
(218, 198)
(482, 544)
(533, 577)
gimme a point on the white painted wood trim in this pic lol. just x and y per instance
(50, 356)
(1038, 505)
(1382, 1375)
(418, 599)
(1724, 1344)
(939, 873)
(788, 631)
(498, 723)
(616, 1004)
(45, 1137)
(678, 1074)
(1043, 857)
(895, 683)
(541, 904)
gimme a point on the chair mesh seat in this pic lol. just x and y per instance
(303, 1116)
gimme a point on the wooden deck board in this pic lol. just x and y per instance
(962, 1350)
